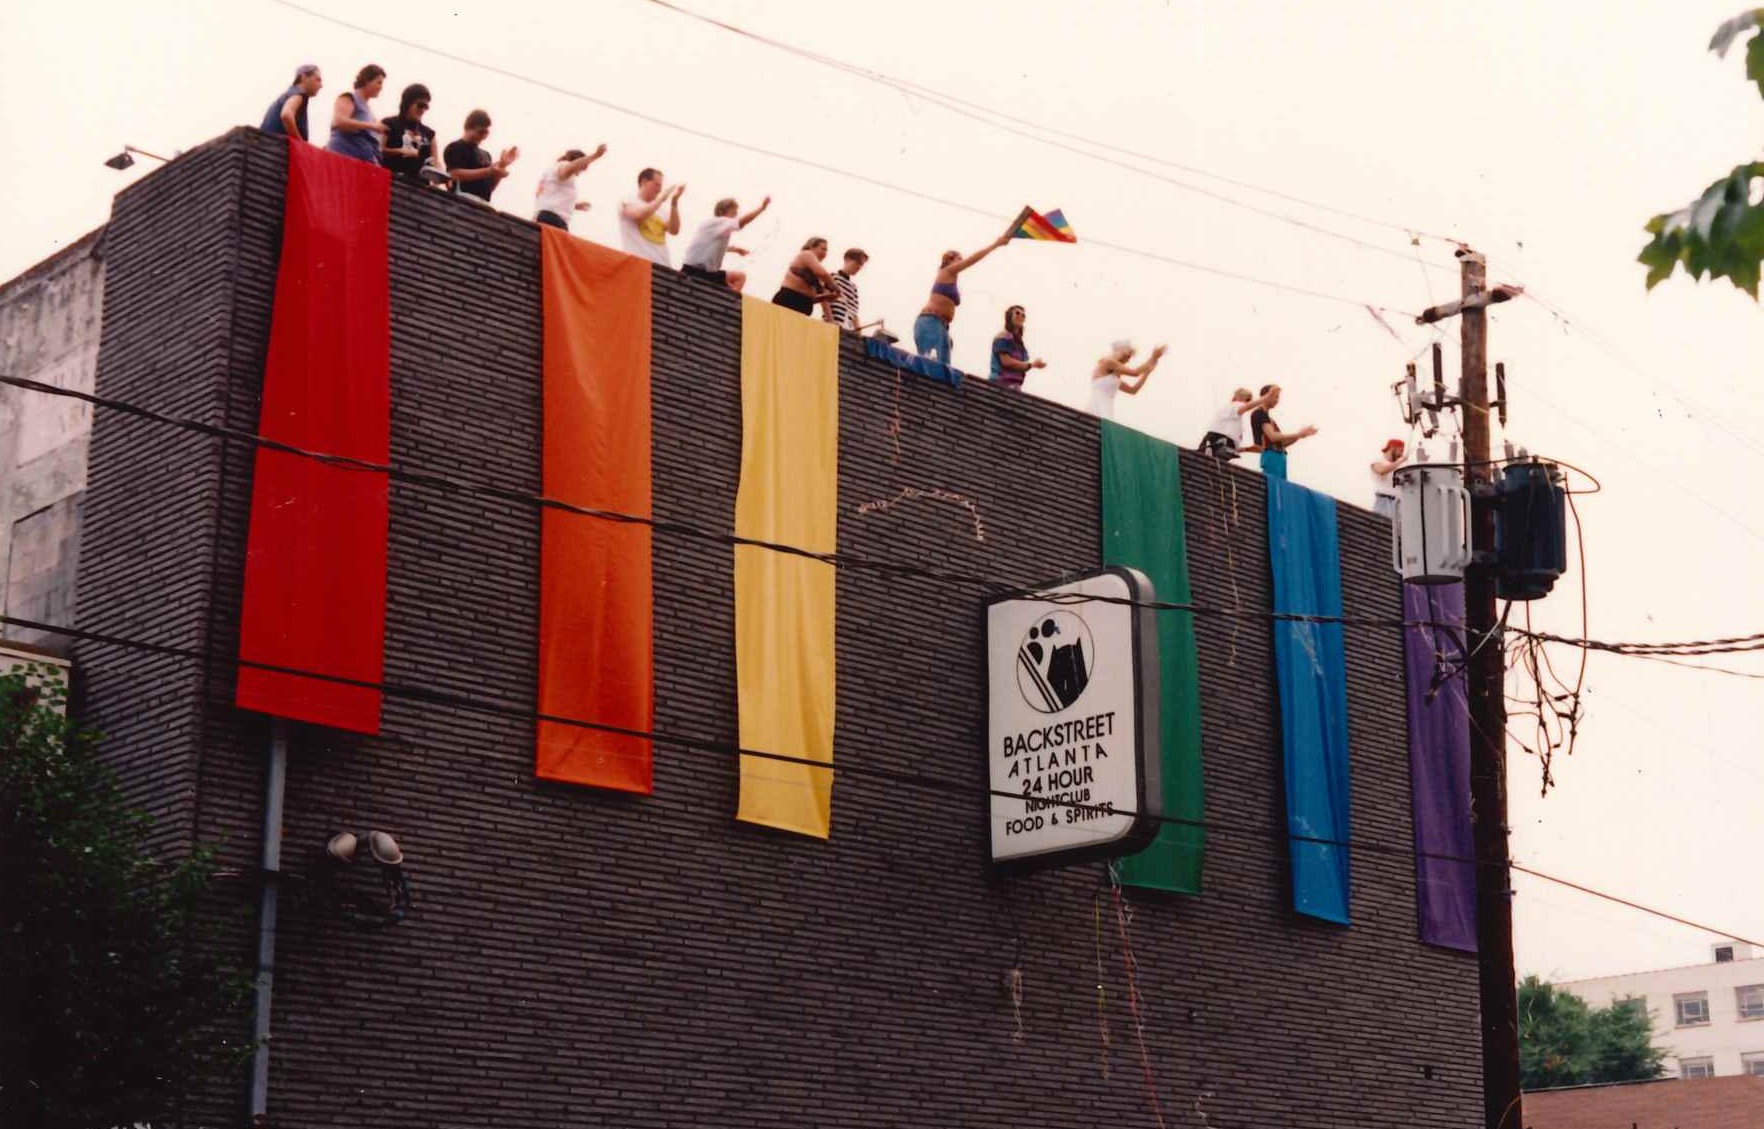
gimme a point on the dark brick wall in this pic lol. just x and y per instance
(577, 958)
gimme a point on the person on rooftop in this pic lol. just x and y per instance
(1113, 374)
(555, 197)
(473, 173)
(1225, 434)
(842, 309)
(806, 282)
(642, 230)
(1272, 441)
(1010, 356)
(287, 114)
(410, 150)
(355, 132)
(931, 329)
(1384, 495)
(710, 243)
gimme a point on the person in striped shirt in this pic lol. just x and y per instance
(842, 311)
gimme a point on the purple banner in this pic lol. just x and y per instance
(1439, 766)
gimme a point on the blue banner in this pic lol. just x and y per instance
(1311, 670)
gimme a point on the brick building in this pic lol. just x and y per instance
(576, 957)
(49, 322)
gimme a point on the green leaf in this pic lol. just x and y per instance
(1755, 61)
(1718, 235)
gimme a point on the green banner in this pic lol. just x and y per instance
(1142, 528)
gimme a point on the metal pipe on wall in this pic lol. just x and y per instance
(274, 787)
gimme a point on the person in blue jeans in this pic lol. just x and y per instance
(1268, 437)
(931, 330)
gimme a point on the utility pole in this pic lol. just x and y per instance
(1488, 711)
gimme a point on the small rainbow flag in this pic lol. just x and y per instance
(1052, 227)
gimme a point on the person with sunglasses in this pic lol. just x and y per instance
(1010, 356)
(410, 145)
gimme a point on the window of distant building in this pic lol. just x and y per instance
(1696, 1068)
(1751, 1001)
(1753, 1063)
(1692, 1009)
(1723, 954)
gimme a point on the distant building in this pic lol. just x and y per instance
(1667, 1103)
(49, 324)
(1708, 1018)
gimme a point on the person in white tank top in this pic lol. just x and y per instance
(1113, 374)
(555, 198)
(1384, 496)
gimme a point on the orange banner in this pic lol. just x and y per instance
(596, 594)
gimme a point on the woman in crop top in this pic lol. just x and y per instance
(931, 330)
(807, 281)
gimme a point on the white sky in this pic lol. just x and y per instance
(1543, 134)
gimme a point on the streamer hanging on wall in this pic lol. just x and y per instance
(596, 587)
(1142, 528)
(315, 557)
(784, 616)
(1439, 766)
(1311, 668)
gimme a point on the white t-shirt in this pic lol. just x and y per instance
(556, 194)
(710, 243)
(1102, 395)
(1381, 483)
(1229, 422)
(646, 240)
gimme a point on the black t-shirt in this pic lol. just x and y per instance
(462, 154)
(1258, 419)
(402, 133)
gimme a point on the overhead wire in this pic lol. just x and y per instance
(819, 166)
(1038, 133)
(485, 489)
(913, 779)
(951, 101)
(1723, 645)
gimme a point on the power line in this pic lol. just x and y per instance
(951, 102)
(1036, 132)
(442, 483)
(819, 166)
(1672, 917)
(917, 780)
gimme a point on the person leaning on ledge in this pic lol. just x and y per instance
(474, 174)
(286, 116)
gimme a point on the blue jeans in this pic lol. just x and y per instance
(1274, 464)
(931, 337)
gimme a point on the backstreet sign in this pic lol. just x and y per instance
(1072, 730)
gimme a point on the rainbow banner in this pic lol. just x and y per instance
(315, 551)
(596, 582)
(1051, 228)
(784, 613)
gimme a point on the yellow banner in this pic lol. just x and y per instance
(789, 495)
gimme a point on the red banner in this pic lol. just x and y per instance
(315, 564)
(596, 591)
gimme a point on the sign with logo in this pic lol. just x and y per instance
(1072, 733)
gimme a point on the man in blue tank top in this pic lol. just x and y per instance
(287, 114)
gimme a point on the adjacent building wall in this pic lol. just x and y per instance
(579, 958)
(49, 322)
(1726, 1038)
